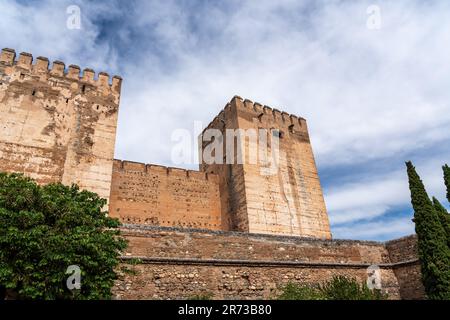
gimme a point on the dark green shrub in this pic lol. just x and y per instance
(344, 288)
(339, 288)
(46, 229)
(294, 291)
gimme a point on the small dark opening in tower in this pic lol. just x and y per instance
(83, 88)
(260, 117)
(33, 93)
(67, 101)
(278, 133)
(291, 128)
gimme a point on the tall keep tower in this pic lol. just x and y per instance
(55, 125)
(257, 197)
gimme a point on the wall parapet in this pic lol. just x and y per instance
(124, 165)
(262, 263)
(285, 238)
(242, 265)
(58, 69)
(259, 110)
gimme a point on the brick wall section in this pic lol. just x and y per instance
(409, 276)
(287, 200)
(181, 263)
(161, 196)
(56, 126)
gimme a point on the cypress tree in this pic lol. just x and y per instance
(446, 169)
(444, 217)
(434, 253)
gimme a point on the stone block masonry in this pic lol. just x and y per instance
(182, 263)
(55, 125)
(408, 275)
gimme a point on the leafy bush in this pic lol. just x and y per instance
(343, 288)
(293, 291)
(46, 229)
(339, 288)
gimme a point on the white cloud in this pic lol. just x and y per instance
(366, 94)
(380, 230)
(374, 195)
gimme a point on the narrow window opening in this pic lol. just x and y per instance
(260, 117)
(291, 128)
(278, 133)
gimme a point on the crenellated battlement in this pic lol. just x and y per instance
(57, 124)
(128, 166)
(264, 114)
(268, 114)
(41, 68)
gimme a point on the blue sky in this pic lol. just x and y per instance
(373, 98)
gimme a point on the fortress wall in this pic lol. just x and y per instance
(409, 276)
(179, 243)
(156, 195)
(180, 263)
(169, 281)
(55, 124)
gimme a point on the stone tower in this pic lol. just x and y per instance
(260, 197)
(55, 125)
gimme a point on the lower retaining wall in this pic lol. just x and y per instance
(181, 264)
(408, 275)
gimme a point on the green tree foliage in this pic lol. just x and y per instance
(202, 296)
(434, 253)
(46, 229)
(293, 291)
(444, 217)
(446, 169)
(344, 288)
(339, 288)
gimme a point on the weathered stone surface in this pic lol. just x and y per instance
(181, 263)
(171, 281)
(155, 195)
(288, 201)
(57, 127)
(409, 276)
